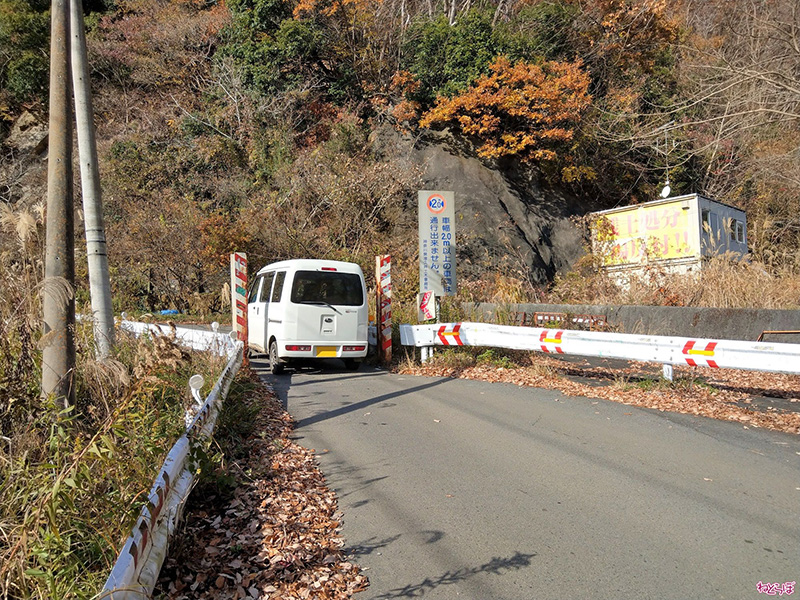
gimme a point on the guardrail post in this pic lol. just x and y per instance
(426, 353)
(667, 372)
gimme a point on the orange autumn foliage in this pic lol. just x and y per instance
(631, 33)
(522, 110)
(404, 84)
(329, 8)
(220, 237)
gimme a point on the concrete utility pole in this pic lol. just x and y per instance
(58, 355)
(97, 257)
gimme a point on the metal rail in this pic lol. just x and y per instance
(136, 570)
(669, 351)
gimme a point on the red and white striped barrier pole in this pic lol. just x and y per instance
(239, 297)
(383, 275)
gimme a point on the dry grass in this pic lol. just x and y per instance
(722, 283)
(500, 288)
(73, 480)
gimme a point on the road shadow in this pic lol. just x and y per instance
(281, 384)
(496, 566)
(370, 546)
(356, 406)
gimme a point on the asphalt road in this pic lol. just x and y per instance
(466, 489)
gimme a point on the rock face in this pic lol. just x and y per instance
(28, 136)
(23, 170)
(505, 219)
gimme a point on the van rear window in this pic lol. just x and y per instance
(325, 287)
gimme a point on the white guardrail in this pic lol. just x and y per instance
(135, 573)
(670, 351)
(196, 339)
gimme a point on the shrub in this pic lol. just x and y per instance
(27, 77)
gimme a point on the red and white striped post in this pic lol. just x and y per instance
(239, 297)
(383, 304)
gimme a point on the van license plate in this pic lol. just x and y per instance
(326, 351)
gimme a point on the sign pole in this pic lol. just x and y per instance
(437, 253)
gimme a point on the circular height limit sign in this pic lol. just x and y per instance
(436, 204)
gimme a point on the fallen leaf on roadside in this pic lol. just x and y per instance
(276, 535)
(720, 393)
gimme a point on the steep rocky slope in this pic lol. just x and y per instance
(506, 219)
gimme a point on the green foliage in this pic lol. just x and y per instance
(454, 358)
(236, 423)
(447, 58)
(459, 358)
(24, 50)
(273, 51)
(297, 40)
(659, 384)
(24, 26)
(540, 30)
(73, 480)
(263, 16)
(496, 358)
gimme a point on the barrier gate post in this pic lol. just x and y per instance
(239, 297)
(383, 306)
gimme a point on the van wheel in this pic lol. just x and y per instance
(275, 365)
(351, 364)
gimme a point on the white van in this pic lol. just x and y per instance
(299, 309)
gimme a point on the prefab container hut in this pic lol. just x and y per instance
(677, 234)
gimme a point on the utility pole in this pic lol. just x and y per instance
(99, 285)
(58, 354)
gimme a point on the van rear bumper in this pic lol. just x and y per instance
(354, 349)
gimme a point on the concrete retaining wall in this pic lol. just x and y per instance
(714, 323)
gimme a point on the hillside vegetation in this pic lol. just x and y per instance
(247, 124)
(254, 125)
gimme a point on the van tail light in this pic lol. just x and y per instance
(353, 348)
(298, 348)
